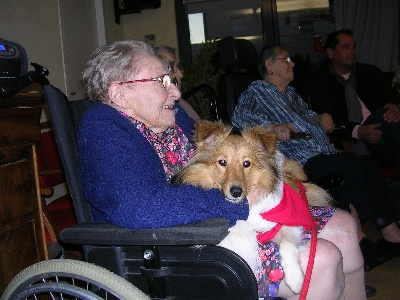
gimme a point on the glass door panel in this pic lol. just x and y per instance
(237, 18)
(303, 26)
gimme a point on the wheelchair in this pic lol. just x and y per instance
(69, 279)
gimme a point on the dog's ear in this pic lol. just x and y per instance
(267, 137)
(206, 132)
(204, 129)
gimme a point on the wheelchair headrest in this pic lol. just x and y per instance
(237, 52)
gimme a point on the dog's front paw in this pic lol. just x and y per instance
(294, 275)
(294, 279)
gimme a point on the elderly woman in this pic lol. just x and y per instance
(168, 55)
(136, 137)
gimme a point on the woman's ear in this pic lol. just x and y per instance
(267, 65)
(115, 93)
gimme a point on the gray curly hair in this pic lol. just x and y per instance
(111, 63)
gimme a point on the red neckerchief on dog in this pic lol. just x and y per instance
(293, 210)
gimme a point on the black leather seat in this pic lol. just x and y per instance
(239, 59)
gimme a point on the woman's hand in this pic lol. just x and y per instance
(283, 131)
(326, 122)
(392, 113)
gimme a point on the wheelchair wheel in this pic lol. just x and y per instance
(70, 279)
(54, 290)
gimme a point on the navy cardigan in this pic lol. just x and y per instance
(124, 181)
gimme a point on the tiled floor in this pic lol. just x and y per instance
(386, 277)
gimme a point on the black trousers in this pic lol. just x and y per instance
(367, 189)
(387, 150)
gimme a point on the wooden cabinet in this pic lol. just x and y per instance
(22, 239)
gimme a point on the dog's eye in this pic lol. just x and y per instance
(246, 164)
(222, 162)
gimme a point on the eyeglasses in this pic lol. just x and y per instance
(288, 59)
(165, 81)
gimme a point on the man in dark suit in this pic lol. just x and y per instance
(362, 103)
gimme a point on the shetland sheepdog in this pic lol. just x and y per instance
(239, 163)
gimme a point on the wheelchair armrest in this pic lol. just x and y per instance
(205, 232)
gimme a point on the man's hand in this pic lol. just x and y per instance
(326, 122)
(283, 131)
(370, 133)
(392, 114)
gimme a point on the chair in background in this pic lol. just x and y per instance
(164, 263)
(239, 59)
(198, 95)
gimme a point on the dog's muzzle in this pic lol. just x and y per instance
(235, 194)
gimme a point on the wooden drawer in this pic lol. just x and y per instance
(17, 184)
(19, 125)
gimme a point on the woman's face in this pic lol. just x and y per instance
(173, 62)
(149, 102)
(281, 68)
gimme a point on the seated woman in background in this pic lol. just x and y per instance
(272, 102)
(133, 140)
(168, 55)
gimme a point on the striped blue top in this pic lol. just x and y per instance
(264, 104)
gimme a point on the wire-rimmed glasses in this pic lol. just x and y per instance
(288, 59)
(165, 80)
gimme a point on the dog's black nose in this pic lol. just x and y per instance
(236, 191)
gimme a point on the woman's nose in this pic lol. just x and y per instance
(174, 92)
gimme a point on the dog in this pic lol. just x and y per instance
(242, 162)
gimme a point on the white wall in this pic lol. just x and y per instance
(160, 22)
(34, 24)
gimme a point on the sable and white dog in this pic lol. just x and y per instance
(238, 163)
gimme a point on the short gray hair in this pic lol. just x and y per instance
(112, 63)
(167, 49)
(266, 53)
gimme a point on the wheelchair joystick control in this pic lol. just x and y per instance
(148, 254)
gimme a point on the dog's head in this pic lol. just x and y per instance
(234, 162)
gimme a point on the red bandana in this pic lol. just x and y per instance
(293, 210)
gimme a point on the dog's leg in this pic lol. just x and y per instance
(289, 239)
(242, 240)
